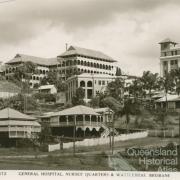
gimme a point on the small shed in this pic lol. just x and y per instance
(50, 89)
(173, 102)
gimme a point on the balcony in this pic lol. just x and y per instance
(78, 123)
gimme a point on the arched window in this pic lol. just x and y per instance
(100, 66)
(81, 62)
(75, 62)
(89, 84)
(82, 83)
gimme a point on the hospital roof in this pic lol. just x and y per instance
(74, 50)
(36, 60)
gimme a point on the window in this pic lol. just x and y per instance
(165, 63)
(103, 82)
(99, 82)
(89, 83)
(82, 84)
(165, 54)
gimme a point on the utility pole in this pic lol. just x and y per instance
(179, 134)
(112, 147)
(74, 136)
(109, 127)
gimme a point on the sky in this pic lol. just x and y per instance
(126, 30)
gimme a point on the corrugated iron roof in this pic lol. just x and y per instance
(170, 97)
(77, 110)
(33, 59)
(74, 50)
(9, 113)
(46, 87)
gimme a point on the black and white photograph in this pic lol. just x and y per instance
(89, 86)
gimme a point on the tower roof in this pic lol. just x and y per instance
(167, 40)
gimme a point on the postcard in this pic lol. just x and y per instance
(89, 89)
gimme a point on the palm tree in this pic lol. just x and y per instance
(136, 89)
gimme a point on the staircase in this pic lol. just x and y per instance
(107, 131)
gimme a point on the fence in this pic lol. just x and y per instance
(163, 133)
(99, 141)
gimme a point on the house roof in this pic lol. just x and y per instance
(37, 60)
(19, 123)
(9, 113)
(76, 110)
(167, 40)
(74, 50)
(46, 87)
(6, 86)
(170, 98)
(103, 110)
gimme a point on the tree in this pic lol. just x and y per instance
(167, 84)
(136, 89)
(18, 103)
(116, 89)
(53, 78)
(23, 74)
(79, 96)
(149, 81)
(176, 78)
(118, 72)
(98, 101)
(45, 136)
